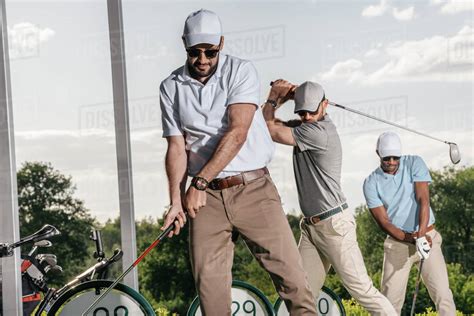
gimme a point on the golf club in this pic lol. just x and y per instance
(454, 152)
(417, 288)
(130, 268)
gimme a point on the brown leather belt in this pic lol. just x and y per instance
(241, 178)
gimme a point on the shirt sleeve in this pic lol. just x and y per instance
(310, 136)
(371, 195)
(169, 114)
(419, 170)
(246, 87)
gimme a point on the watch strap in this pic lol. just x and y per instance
(273, 103)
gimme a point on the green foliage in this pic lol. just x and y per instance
(45, 196)
(353, 308)
(370, 238)
(452, 201)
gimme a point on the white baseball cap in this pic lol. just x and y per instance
(308, 95)
(202, 26)
(389, 144)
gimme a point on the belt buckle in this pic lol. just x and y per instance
(214, 184)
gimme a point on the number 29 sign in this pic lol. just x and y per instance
(249, 301)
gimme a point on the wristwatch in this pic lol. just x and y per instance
(272, 102)
(199, 183)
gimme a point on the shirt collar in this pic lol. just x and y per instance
(184, 74)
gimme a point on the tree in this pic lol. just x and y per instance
(452, 201)
(45, 196)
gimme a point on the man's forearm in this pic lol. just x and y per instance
(424, 218)
(176, 164)
(268, 112)
(396, 232)
(423, 199)
(226, 150)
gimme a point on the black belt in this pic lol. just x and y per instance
(317, 218)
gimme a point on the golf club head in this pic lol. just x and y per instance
(53, 270)
(43, 243)
(47, 259)
(454, 153)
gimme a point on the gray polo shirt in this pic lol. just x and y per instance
(317, 161)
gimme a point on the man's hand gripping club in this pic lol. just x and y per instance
(193, 201)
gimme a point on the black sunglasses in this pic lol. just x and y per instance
(388, 158)
(303, 113)
(209, 53)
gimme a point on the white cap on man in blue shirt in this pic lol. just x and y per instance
(202, 26)
(389, 144)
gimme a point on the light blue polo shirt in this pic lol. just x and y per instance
(397, 192)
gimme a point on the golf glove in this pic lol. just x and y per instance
(423, 247)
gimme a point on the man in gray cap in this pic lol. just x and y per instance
(328, 230)
(216, 134)
(398, 197)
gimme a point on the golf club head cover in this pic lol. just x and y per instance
(423, 247)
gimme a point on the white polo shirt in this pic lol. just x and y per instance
(200, 113)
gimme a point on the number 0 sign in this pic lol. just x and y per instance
(327, 304)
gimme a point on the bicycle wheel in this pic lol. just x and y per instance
(328, 303)
(121, 301)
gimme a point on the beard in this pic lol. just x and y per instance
(197, 73)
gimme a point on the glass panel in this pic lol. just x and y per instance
(62, 92)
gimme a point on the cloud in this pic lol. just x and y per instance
(25, 39)
(384, 7)
(405, 14)
(454, 6)
(375, 10)
(372, 53)
(437, 58)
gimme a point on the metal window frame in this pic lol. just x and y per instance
(10, 228)
(122, 139)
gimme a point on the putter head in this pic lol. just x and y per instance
(454, 153)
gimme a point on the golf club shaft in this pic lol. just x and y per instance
(417, 288)
(386, 122)
(130, 268)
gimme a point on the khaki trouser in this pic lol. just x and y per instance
(398, 260)
(254, 209)
(333, 242)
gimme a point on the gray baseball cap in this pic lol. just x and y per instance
(308, 95)
(202, 26)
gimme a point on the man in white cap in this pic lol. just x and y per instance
(217, 135)
(397, 195)
(328, 230)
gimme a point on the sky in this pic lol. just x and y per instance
(410, 62)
